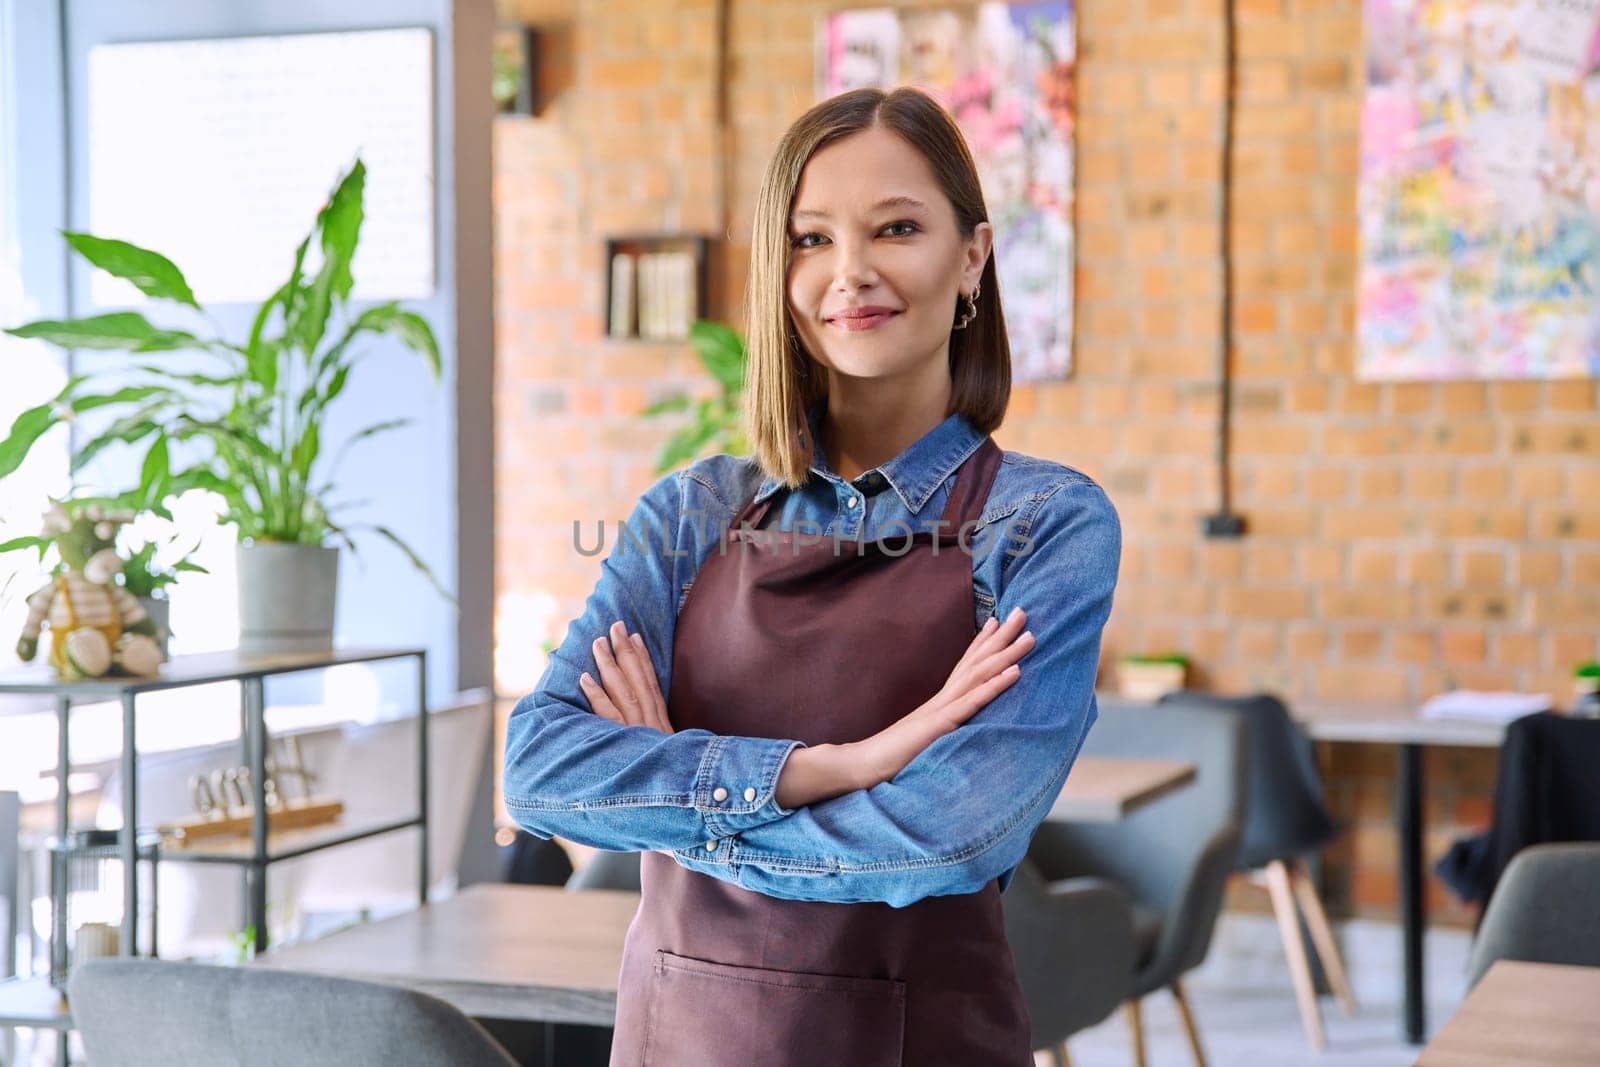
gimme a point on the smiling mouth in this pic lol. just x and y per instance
(856, 322)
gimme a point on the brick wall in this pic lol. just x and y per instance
(1403, 537)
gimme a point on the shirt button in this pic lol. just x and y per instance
(719, 794)
(711, 846)
(850, 503)
(749, 794)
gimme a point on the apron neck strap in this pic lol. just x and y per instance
(971, 490)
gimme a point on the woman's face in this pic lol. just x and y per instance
(876, 261)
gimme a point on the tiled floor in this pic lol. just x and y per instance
(1245, 1008)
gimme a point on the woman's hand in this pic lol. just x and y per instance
(627, 691)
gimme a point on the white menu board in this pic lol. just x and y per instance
(219, 153)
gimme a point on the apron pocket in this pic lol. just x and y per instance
(719, 1015)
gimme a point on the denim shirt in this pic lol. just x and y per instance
(960, 813)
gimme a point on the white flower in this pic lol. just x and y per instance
(105, 530)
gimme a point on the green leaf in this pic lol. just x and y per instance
(193, 379)
(122, 396)
(339, 227)
(262, 364)
(287, 297)
(186, 565)
(29, 426)
(155, 474)
(153, 273)
(305, 450)
(685, 445)
(722, 351)
(120, 330)
(416, 560)
(24, 542)
(671, 403)
(411, 329)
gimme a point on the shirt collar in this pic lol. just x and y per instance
(914, 473)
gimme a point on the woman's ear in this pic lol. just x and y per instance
(978, 248)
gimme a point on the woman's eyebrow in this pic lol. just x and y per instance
(888, 201)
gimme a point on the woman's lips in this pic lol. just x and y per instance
(864, 319)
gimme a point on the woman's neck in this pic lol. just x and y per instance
(869, 423)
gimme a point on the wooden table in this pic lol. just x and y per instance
(1105, 789)
(1528, 1014)
(527, 953)
(1409, 732)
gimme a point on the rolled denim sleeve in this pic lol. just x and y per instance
(571, 773)
(965, 809)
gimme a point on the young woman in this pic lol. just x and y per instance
(802, 687)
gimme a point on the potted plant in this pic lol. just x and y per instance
(717, 422)
(1586, 688)
(148, 578)
(1149, 678)
(251, 417)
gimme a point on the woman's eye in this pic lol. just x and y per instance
(910, 228)
(800, 241)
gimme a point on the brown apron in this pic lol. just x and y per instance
(790, 640)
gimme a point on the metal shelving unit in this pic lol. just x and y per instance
(37, 1001)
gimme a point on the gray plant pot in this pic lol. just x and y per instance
(286, 597)
(160, 611)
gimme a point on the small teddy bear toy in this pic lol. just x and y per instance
(96, 626)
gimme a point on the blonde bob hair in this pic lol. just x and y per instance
(782, 380)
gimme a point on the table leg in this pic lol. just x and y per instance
(58, 879)
(256, 746)
(129, 842)
(422, 772)
(1408, 808)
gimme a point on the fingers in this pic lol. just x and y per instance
(652, 686)
(627, 691)
(616, 683)
(598, 701)
(634, 659)
(996, 633)
(965, 707)
(1007, 640)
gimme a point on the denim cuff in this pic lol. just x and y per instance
(735, 788)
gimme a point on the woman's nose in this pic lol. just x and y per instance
(854, 269)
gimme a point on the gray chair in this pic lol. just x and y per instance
(608, 870)
(1174, 855)
(155, 1013)
(1286, 820)
(1074, 948)
(1545, 909)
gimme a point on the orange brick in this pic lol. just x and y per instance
(1482, 567)
(1322, 564)
(1538, 566)
(1361, 643)
(1265, 602)
(1463, 646)
(1579, 523)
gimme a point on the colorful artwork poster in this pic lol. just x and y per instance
(1005, 72)
(1480, 190)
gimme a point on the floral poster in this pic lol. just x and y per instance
(1005, 71)
(1480, 190)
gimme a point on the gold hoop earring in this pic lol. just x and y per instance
(969, 309)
